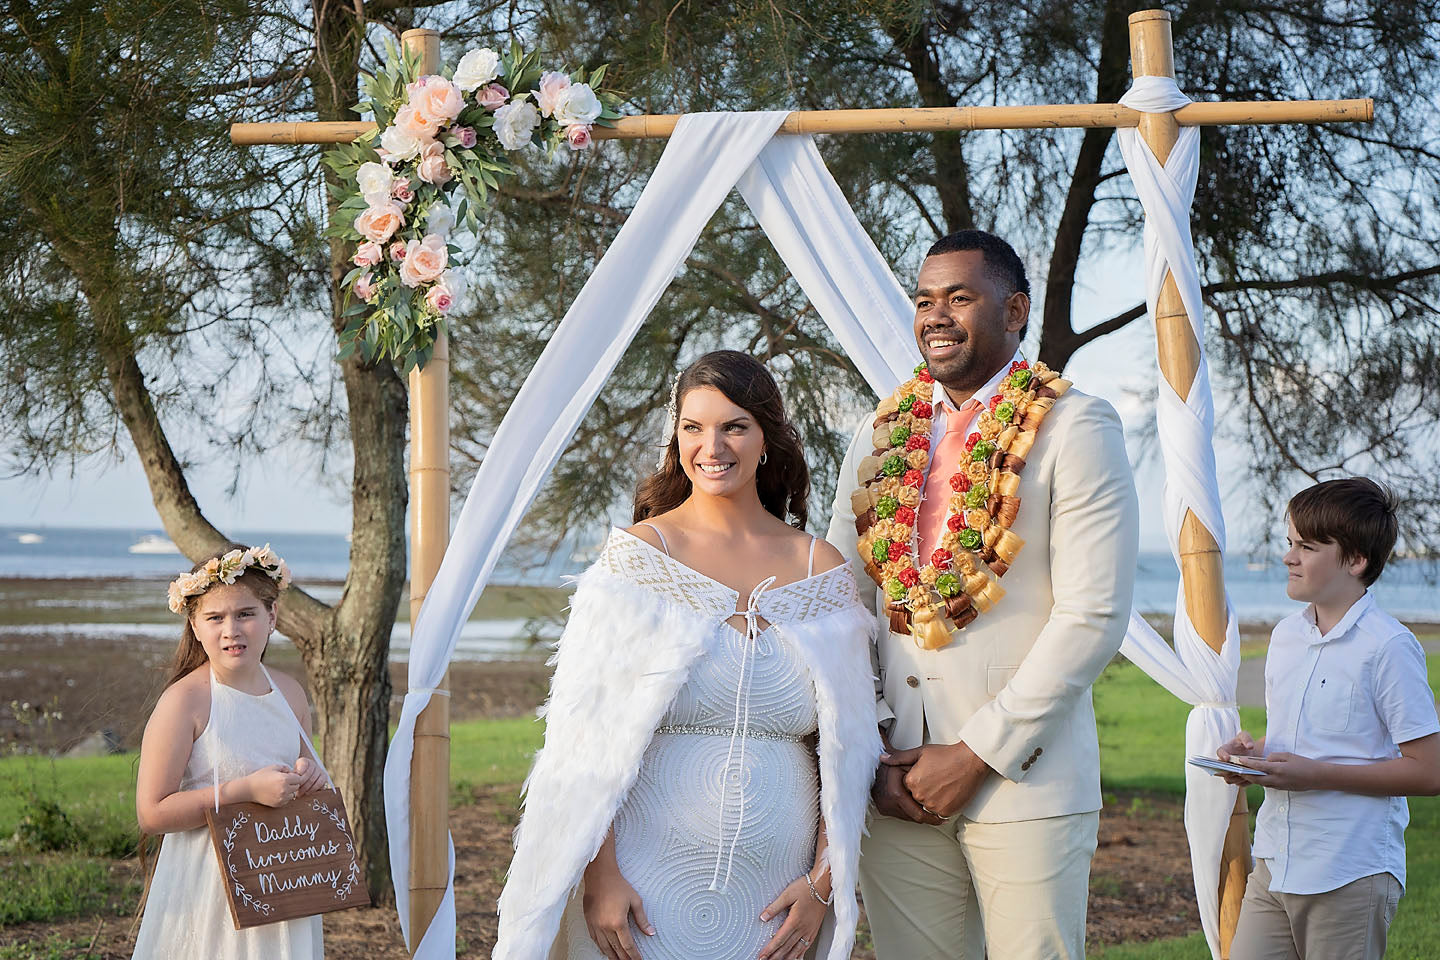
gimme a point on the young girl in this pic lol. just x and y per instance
(225, 730)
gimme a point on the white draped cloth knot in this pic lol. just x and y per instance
(740, 730)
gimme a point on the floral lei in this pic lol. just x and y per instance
(227, 569)
(952, 586)
(439, 137)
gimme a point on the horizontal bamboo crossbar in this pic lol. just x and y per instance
(900, 120)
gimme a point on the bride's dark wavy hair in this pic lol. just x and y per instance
(783, 480)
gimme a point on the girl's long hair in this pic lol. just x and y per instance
(783, 480)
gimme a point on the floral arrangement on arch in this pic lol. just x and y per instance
(440, 146)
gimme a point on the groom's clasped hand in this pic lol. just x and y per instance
(928, 784)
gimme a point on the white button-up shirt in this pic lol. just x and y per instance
(1349, 696)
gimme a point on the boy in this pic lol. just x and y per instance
(1351, 730)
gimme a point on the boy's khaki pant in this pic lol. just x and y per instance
(1347, 923)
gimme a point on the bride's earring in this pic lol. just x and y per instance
(763, 458)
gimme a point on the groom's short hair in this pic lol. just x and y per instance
(1001, 260)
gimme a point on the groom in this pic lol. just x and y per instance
(987, 807)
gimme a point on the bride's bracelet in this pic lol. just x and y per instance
(816, 893)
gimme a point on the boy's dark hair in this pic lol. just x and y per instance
(1356, 513)
(1001, 261)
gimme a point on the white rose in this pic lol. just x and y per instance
(401, 145)
(515, 122)
(578, 104)
(374, 179)
(454, 281)
(477, 68)
(440, 219)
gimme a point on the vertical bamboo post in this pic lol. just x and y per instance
(1152, 55)
(429, 533)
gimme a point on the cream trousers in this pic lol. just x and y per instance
(954, 891)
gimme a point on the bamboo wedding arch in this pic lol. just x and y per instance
(1179, 359)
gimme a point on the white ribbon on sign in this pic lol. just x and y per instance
(801, 208)
(1191, 670)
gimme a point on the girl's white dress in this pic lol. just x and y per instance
(186, 915)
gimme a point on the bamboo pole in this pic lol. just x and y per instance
(429, 533)
(1151, 54)
(901, 120)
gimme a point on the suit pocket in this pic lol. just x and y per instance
(997, 677)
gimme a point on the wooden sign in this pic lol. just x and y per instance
(279, 863)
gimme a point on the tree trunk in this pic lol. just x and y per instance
(350, 678)
(951, 175)
(1058, 338)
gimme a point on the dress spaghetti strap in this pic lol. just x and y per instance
(663, 545)
(810, 572)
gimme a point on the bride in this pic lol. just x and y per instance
(709, 740)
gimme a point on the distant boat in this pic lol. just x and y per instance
(1255, 565)
(30, 538)
(153, 543)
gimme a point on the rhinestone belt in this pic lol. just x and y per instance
(725, 732)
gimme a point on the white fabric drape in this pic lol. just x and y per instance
(811, 225)
(801, 208)
(1191, 671)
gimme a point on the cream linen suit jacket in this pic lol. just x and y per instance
(1015, 684)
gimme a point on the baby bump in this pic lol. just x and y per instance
(711, 833)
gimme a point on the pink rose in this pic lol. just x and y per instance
(379, 222)
(365, 287)
(368, 254)
(415, 124)
(578, 136)
(492, 97)
(397, 251)
(435, 99)
(400, 190)
(425, 260)
(466, 136)
(439, 299)
(552, 90)
(433, 168)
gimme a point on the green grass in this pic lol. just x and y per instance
(1142, 744)
(54, 948)
(53, 886)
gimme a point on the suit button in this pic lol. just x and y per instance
(1039, 750)
(913, 681)
(1026, 765)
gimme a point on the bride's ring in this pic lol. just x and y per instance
(805, 942)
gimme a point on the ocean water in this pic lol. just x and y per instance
(1408, 588)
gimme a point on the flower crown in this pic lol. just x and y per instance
(227, 569)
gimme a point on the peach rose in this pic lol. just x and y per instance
(578, 136)
(400, 189)
(413, 123)
(365, 286)
(379, 222)
(397, 251)
(435, 99)
(439, 299)
(425, 260)
(433, 168)
(551, 91)
(368, 254)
